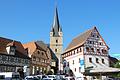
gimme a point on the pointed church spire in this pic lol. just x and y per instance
(56, 26)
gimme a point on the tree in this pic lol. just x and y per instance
(49, 72)
(117, 65)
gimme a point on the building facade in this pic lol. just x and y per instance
(12, 55)
(87, 54)
(40, 56)
(56, 38)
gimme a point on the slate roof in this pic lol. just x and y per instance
(41, 44)
(54, 57)
(56, 26)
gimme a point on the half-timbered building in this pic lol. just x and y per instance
(12, 55)
(87, 55)
(41, 57)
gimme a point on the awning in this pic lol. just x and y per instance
(102, 71)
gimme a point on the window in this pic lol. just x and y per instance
(37, 59)
(55, 50)
(97, 60)
(42, 53)
(104, 51)
(90, 42)
(103, 61)
(38, 52)
(79, 69)
(98, 50)
(69, 54)
(56, 41)
(90, 60)
(92, 49)
(93, 35)
(77, 50)
(97, 36)
(87, 49)
(79, 60)
(100, 43)
(73, 61)
(74, 51)
(75, 69)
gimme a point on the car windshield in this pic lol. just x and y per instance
(51, 76)
(15, 76)
(46, 79)
(32, 79)
(29, 78)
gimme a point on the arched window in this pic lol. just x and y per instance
(38, 52)
(42, 53)
(104, 51)
(98, 50)
(92, 49)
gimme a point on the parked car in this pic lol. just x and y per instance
(9, 76)
(51, 76)
(60, 77)
(39, 77)
(31, 78)
(69, 78)
(79, 78)
(49, 79)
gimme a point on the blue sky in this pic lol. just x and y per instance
(30, 20)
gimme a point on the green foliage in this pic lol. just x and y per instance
(117, 65)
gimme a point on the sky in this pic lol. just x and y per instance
(31, 20)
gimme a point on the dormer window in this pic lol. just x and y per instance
(11, 48)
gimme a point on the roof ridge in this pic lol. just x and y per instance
(79, 40)
(83, 33)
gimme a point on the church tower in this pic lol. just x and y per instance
(56, 37)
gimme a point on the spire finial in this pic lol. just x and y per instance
(55, 3)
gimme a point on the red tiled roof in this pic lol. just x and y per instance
(4, 42)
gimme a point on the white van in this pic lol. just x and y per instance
(9, 76)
